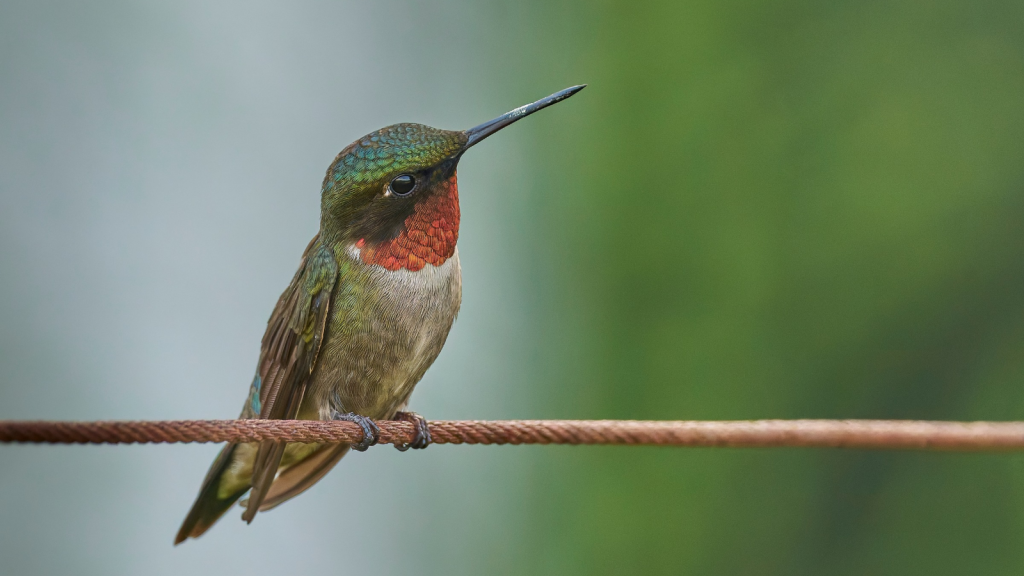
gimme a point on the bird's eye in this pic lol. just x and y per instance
(402, 185)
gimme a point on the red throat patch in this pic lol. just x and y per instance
(429, 236)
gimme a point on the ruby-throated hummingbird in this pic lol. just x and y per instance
(367, 313)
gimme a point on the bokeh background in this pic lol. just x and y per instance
(756, 210)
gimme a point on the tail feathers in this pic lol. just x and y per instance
(299, 477)
(268, 461)
(208, 507)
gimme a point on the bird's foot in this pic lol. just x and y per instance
(371, 433)
(422, 437)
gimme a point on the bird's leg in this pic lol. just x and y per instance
(422, 437)
(371, 433)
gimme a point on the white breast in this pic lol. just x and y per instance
(372, 370)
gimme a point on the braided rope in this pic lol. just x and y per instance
(873, 434)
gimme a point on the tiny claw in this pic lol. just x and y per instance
(371, 433)
(421, 439)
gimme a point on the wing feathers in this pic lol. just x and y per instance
(290, 347)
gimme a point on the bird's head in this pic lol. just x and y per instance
(392, 196)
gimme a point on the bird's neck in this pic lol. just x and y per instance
(428, 237)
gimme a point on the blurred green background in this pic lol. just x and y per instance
(795, 209)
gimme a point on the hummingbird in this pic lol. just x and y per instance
(369, 309)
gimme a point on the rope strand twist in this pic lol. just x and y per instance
(867, 434)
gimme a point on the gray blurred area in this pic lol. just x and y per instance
(160, 166)
(788, 209)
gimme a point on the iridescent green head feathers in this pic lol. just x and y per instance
(375, 184)
(389, 150)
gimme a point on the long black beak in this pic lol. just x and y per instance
(478, 133)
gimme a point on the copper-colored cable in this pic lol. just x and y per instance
(871, 434)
